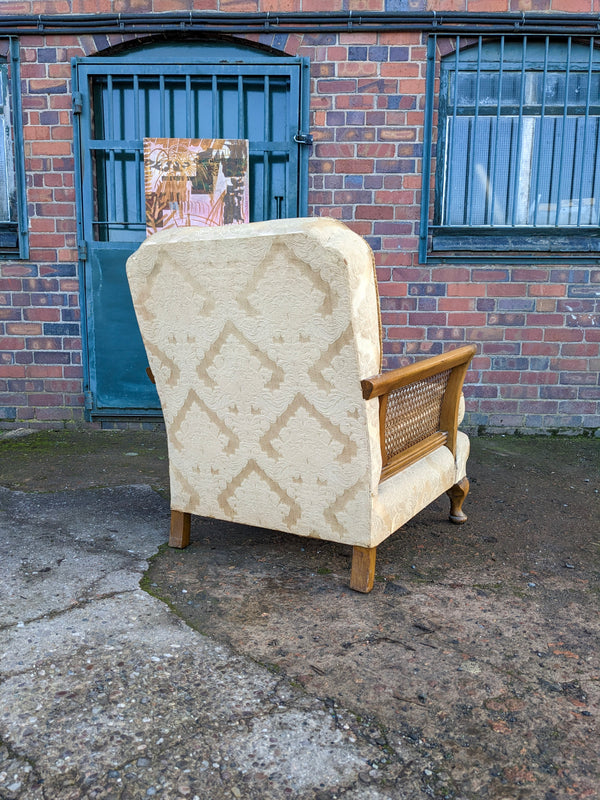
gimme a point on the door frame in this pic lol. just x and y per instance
(169, 54)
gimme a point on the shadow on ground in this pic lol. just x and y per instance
(473, 666)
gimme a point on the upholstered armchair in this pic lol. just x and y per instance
(264, 341)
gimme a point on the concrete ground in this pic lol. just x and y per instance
(243, 667)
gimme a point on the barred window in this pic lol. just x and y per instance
(517, 164)
(13, 227)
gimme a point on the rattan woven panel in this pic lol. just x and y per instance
(413, 413)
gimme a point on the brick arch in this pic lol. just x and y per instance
(116, 44)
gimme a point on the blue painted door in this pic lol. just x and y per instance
(192, 91)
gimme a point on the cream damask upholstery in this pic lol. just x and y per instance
(258, 337)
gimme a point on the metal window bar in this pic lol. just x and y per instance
(564, 132)
(541, 126)
(585, 131)
(123, 104)
(139, 183)
(489, 197)
(473, 138)
(110, 215)
(188, 106)
(16, 119)
(266, 131)
(427, 154)
(497, 132)
(516, 192)
(450, 145)
(241, 129)
(216, 117)
(161, 116)
(595, 215)
(5, 149)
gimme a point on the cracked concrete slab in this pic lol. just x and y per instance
(104, 693)
(471, 672)
(58, 549)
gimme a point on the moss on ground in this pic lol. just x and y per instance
(80, 459)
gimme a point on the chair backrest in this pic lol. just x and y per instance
(258, 337)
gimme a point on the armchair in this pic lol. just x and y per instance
(265, 345)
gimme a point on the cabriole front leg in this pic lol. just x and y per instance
(457, 494)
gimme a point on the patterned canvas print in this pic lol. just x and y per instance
(195, 182)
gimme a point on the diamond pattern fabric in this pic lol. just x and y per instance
(258, 336)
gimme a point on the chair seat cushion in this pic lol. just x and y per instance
(403, 495)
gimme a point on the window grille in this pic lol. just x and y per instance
(184, 89)
(13, 226)
(6, 170)
(518, 166)
(212, 101)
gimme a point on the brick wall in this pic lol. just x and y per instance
(41, 359)
(537, 326)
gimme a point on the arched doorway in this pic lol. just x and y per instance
(192, 90)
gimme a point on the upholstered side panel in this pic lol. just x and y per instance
(258, 336)
(405, 494)
(461, 408)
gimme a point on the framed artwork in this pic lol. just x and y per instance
(195, 182)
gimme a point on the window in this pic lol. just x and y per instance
(13, 228)
(518, 167)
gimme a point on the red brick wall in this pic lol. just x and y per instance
(236, 6)
(537, 326)
(41, 359)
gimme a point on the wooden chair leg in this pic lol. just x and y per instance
(180, 529)
(457, 494)
(363, 568)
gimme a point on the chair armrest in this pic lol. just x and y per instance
(418, 407)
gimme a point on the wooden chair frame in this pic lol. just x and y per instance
(455, 363)
(418, 405)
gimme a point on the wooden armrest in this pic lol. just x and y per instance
(387, 381)
(418, 407)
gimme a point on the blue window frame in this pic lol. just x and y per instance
(517, 166)
(13, 206)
